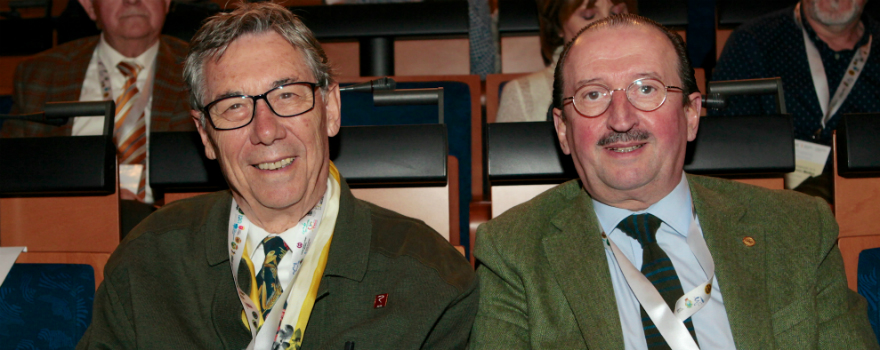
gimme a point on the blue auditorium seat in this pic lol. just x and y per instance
(358, 110)
(5, 106)
(869, 268)
(45, 306)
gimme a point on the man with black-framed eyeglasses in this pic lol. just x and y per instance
(636, 254)
(287, 258)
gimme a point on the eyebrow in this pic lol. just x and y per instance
(600, 81)
(275, 84)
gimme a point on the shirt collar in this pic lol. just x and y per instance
(111, 57)
(257, 234)
(674, 209)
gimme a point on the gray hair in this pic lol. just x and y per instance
(220, 30)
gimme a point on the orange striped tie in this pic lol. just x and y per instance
(131, 142)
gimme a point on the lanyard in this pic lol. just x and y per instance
(670, 324)
(277, 330)
(820, 80)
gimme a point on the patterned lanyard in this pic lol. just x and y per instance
(820, 80)
(671, 325)
(285, 324)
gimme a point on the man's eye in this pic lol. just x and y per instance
(647, 90)
(234, 106)
(592, 95)
(287, 95)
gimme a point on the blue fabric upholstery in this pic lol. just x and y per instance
(358, 109)
(869, 268)
(45, 306)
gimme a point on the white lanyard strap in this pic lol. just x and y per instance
(670, 324)
(831, 105)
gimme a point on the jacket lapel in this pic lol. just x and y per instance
(739, 268)
(577, 260)
(166, 97)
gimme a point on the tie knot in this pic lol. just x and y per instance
(642, 227)
(274, 246)
(129, 69)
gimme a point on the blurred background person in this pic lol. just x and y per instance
(527, 99)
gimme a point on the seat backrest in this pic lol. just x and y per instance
(856, 188)
(69, 203)
(396, 166)
(46, 306)
(525, 159)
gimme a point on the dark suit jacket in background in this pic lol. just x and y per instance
(169, 284)
(545, 282)
(57, 75)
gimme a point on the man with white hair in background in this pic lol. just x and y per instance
(825, 54)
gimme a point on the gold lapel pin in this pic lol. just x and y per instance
(748, 241)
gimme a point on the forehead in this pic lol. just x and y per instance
(254, 63)
(619, 55)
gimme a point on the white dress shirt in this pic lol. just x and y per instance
(92, 91)
(711, 324)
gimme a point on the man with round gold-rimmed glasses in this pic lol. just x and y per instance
(636, 254)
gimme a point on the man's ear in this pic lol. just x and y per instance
(692, 114)
(332, 110)
(90, 9)
(167, 6)
(561, 130)
(210, 151)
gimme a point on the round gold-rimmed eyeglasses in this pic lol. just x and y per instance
(646, 94)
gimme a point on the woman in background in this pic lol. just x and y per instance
(527, 99)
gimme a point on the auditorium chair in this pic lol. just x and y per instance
(856, 188)
(524, 159)
(405, 168)
(59, 195)
(869, 285)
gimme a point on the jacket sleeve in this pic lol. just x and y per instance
(454, 327)
(110, 327)
(502, 320)
(843, 316)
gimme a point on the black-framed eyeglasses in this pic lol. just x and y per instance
(646, 94)
(288, 100)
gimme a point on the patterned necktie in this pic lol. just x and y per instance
(131, 137)
(268, 286)
(657, 267)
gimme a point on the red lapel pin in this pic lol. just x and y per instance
(380, 301)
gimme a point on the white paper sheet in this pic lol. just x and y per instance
(8, 255)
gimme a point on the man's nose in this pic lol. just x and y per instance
(622, 115)
(266, 125)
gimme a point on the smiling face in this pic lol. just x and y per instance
(588, 12)
(277, 167)
(626, 157)
(128, 19)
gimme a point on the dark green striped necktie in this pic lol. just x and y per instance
(657, 267)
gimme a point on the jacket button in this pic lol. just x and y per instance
(748, 241)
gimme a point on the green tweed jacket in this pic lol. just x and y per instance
(545, 282)
(169, 284)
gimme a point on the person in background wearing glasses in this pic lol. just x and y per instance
(636, 254)
(287, 258)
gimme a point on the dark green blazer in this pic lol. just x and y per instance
(169, 284)
(545, 282)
